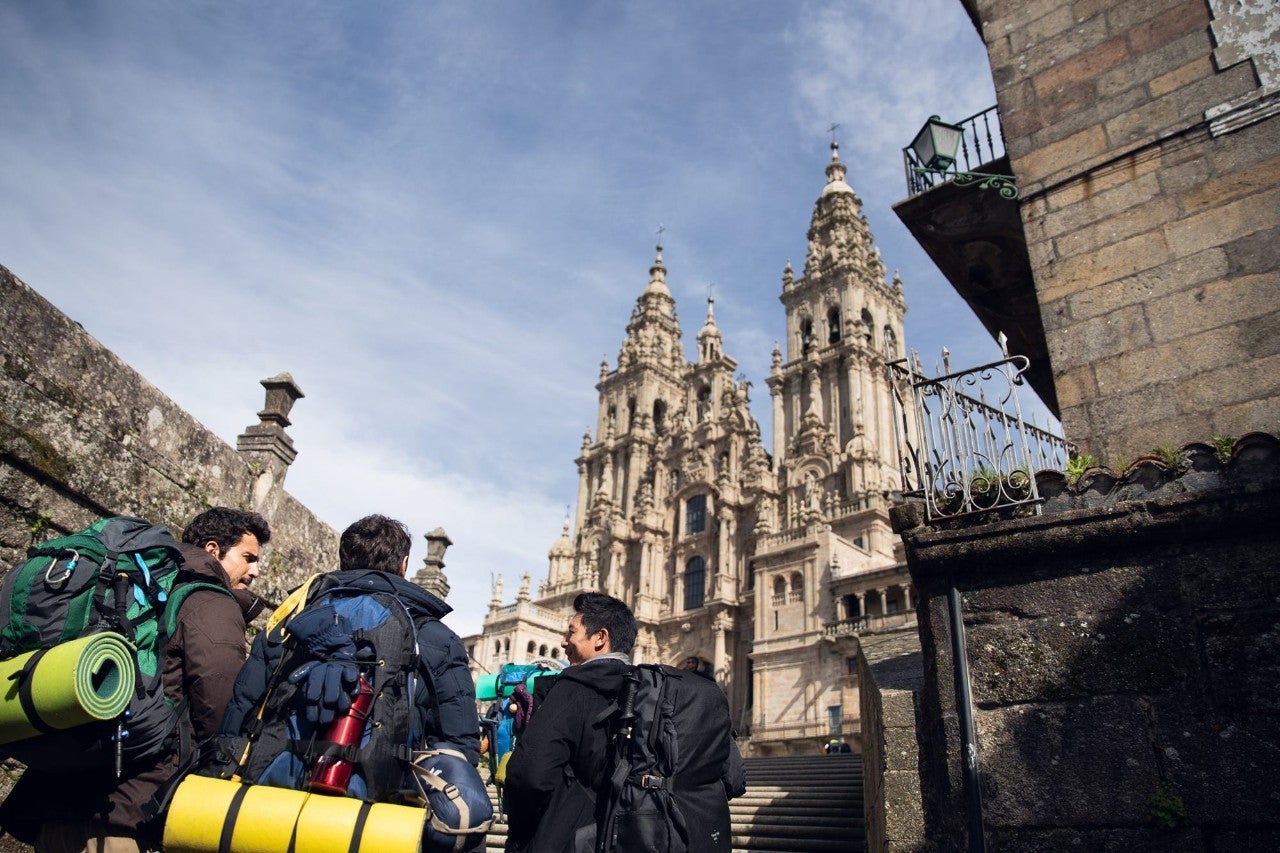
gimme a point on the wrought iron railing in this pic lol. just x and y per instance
(982, 143)
(965, 454)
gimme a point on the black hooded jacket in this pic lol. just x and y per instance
(439, 646)
(562, 763)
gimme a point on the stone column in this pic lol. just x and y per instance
(266, 447)
(906, 596)
(431, 576)
(884, 600)
(718, 663)
(724, 555)
(862, 603)
(617, 564)
(839, 403)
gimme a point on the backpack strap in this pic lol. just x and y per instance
(23, 678)
(625, 708)
(178, 596)
(295, 602)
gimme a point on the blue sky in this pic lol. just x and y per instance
(437, 216)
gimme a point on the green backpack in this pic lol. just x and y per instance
(120, 575)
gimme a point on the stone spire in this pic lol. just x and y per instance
(495, 599)
(839, 238)
(653, 335)
(710, 344)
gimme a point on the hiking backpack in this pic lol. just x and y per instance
(514, 691)
(118, 575)
(278, 746)
(671, 739)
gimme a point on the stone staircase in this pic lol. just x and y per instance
(793, 804)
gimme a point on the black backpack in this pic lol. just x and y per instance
(120, 576)
(278, 745)
(671, 748)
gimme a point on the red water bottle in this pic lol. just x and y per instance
(330, 774)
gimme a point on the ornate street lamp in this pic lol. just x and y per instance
(936, 144)
(935, 148)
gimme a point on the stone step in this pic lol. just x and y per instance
(793, 804)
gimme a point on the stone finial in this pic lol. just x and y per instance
(265, 446)
(495, 601)
(523, 593)
(282, 393)
(431, 576)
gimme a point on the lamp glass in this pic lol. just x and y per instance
(936, 144)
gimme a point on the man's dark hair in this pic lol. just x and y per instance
(226, 526)
(374, 542)
(604, 611)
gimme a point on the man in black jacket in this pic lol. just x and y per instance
(558, 775)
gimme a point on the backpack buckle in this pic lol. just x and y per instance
(651, 783)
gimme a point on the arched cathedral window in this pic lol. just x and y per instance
(868, 326)
(695, 514)
(704, 403)
(833, 325)
(659, 417)
(806, 333)
(695, 579)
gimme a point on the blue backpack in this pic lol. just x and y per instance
(280, 745)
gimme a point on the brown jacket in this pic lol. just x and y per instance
(201, 662)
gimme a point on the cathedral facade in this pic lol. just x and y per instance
(759, 565)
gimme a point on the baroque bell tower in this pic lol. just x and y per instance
(759, 571)
(832, 402)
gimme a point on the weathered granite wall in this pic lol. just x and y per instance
(82, 436)
(890, 677)
(1145, 139)
(1124, 658)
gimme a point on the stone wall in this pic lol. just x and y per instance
(1124, 659)
(82, 436)
(1145, 139)
(889, 678)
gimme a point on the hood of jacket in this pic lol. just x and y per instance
(417, 599)
(602, 676)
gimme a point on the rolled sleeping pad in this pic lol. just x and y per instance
(80, 681)
(486, 688)
(489, 686)
(211, 815)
